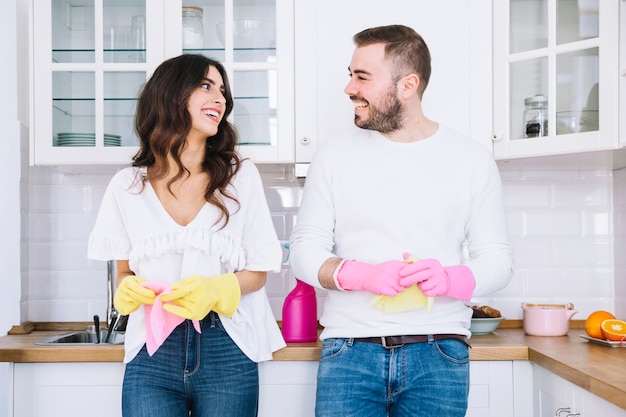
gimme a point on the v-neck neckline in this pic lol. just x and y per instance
(164, 211)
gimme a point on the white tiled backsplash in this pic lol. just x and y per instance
(565, 227)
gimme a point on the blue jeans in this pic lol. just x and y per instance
(191, 374)
(361, 379)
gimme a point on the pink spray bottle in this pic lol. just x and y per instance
(300, 312)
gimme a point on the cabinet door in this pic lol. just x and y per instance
(567, 53)
(92, 57)
(254, 41)
(62, 389)
(287, 388)
(551, 393)
(457, 32)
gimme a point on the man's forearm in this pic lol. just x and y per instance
(325, 274)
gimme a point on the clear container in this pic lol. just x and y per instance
(193, 29)
(536, 116)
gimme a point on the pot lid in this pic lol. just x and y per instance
(568, 306)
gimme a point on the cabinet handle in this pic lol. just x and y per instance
(574, 415)
(305, 140)
(560, 411)
(497, 137)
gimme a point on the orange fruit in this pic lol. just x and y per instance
(613, 329)
(593, 324)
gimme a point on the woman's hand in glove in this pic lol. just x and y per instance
(130, 295)
(195, 296)
(435, 280)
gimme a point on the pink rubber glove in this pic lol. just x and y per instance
(378, 279)
(435, 280)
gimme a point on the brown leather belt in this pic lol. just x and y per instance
(397, 341)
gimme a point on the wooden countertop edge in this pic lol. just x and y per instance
(600, 388)
(506, 344)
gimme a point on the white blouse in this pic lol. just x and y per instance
(133, 225)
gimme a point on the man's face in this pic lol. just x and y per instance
(373, 91)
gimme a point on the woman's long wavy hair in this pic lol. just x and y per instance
(162, 123)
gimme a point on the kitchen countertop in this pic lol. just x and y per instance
(19, 346)
(595, 368)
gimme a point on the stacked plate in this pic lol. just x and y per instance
(85, 139)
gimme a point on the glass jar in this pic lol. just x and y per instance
(536, 116)
(193, 30)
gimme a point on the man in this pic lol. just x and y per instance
(402, 222)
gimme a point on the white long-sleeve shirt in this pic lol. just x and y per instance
(370, 199)
(133, 225)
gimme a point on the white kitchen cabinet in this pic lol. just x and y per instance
(553, 393)
(566, 51)
(67, 389)
(287, 389)
(458, 33)
(90, 59)
(500, 389)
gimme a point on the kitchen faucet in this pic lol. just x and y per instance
(111, 311)
(115, 321)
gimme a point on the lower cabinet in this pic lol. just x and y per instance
(287, 389)
(555, 396)
(500, 389)
(91, 389)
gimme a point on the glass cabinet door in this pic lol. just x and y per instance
(89, 65)
(92, 57)
(242, 34)
(548, 65)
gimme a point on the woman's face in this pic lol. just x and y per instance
(206, 105)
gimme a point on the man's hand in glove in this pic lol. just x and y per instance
(435, 280)
(130, 295)
(195, 296)
(378, 279)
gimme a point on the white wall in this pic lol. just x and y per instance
(619, 204)
(10, 186)
(560, 221)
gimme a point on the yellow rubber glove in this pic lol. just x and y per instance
(130, 295)
(195, 296)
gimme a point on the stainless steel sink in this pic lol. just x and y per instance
(82, 338)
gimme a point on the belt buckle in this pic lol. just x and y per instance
(383, 340)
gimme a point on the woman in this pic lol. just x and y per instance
(189, 227)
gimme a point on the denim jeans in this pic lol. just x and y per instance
(191, 374)
(361, 379)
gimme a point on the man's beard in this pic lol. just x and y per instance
(385, 118)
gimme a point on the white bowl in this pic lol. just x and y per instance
(250, 33)
(485, 325)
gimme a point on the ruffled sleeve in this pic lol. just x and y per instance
(109, 238)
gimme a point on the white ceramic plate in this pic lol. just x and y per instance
(604, 342)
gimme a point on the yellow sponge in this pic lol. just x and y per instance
(411, 298)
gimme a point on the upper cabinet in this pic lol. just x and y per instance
(556, 76)
(459, 91)
(90, 59)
